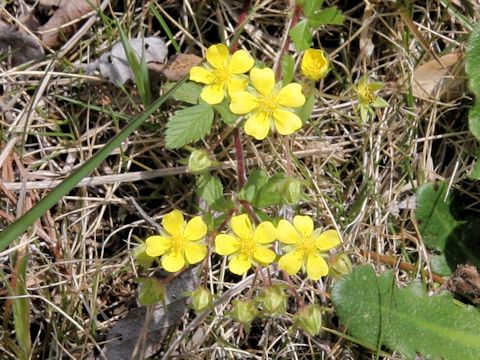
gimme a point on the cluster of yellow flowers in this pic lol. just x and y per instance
(303, 246)
(265, 103)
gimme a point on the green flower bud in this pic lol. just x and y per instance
(202, 299)
(292, 190)
(151, 291)
(141, 257)
(274, 300)
(309, 319)
(199, 161)
(244, 311)
(340, 265)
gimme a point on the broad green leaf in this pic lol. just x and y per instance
(306, 110)
(17, 228)
(326, 16)
(188, 92)
(301, 35)
(151, 292)
(226, 115)
(311, 6)
(288, 69)
(188, 125)
(472, 66)
(210, 189)
(255, 181)
(270, 193)
(474, 120)
(375, 311)
(21, 311)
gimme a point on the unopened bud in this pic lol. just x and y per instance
(340, 265)
(199, 161)
(309, 319)
(274, 300)
(292, 190)
(202, 299)
(151, 291)
(244, 311)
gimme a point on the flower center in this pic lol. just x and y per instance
(220, 76)
(306, 245)
(368, 95)
(177, 243)
(247, 247)
(268, 104)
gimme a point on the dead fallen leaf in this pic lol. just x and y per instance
(465, 281)
(53, 32)
(178, 66)
(432, 80)
(127, 332)
(20, 46)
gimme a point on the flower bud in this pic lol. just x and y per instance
(151, 291)
(244, 311)
(141, 257)
(274, 300)
(340, 265)
(202, 299)
(292, 190)
(314, 64)
(309, 319)
(199, 161)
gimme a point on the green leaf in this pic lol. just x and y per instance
(188, 125)
(475, 173)
(270, 193)
(331, 16)
(21, 311)
(288, 69)
(141, 257)
(311, 6)
(474, 120)
(472, 66)
(255, 181)
(307, 108)
(17, 228)
(301, 35)
(226, 115)
(407, 320)
(151, 292)
(187, 92)
(210, 189)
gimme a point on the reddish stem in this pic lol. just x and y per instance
(241, 175)
(246, 6)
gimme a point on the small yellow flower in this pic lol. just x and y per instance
(222, 72)
(269, 105)
(181, 245)
(247, 244)
(306, 246)
(314, 64)
(368, 99)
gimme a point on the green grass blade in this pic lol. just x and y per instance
(165, 28)
(17, 228)
(21, 312)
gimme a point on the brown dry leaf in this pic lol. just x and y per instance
(53, 31)
(432, 80)
(21, 46)
(178, 66)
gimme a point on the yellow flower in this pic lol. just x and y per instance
(181, 245)
(314, 64)
(306, 246)
(222, 72)
(246, 245)
(268, 105)
(368, 99)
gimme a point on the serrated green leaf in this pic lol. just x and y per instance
(188, 125)
(226, 115)
(288, 69)
(187, 92)
(376, 311)
(310, 6)
(210, 189)
(306, 110)
(474, 120)
(472, 66)
(151, 292)
(255, 181)
(328, 16)
(301, 35)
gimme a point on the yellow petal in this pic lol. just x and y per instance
(240, 264)
(157, 245)
(242, 102)
(240, 62)
(265, 233)
(173, 261)
(327, 240)
(241, 226)
(195, 252)
(201, 75)
(286, 233)
(195, 229)
(263, 255)
(173, 223)
(237, 84)
(217, 56)
(258, 126)
(286, 122)
(213, 94)
(291, 95)
(316, 267)
(304, 225)
(314, 64)
(263, 80)
(291, 262)
(226, 244)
